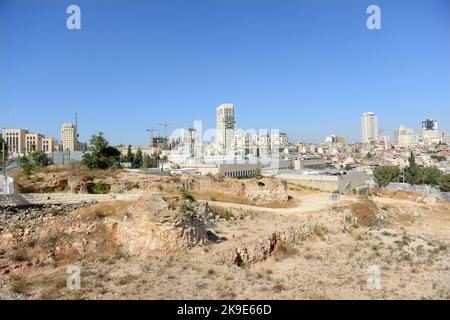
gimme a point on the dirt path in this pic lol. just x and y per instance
(309, 202)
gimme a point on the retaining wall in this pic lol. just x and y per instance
(18, 200)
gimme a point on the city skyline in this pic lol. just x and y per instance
(307, 77)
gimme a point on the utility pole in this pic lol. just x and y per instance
(4, 160)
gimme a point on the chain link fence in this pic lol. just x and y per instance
(58, 158)
(424, 189)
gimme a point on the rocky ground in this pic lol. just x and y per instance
(167, 246)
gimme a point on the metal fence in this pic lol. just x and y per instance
(59, 158)
(424, 189)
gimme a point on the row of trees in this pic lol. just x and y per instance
(413, 174)
(140, 160)
(101, 155)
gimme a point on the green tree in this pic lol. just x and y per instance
(413, 173)
(100, 154)
(444, 182)
(430, 176)
(154, 160)
(146, 162)
(138, 159)
(39, 158)
(130, 155)
(384, 175)
(25, 165)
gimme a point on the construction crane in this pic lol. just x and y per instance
(164, 125)
(152, 130)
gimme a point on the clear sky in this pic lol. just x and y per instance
(308, 68)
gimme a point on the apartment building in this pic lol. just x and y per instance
(405, 137)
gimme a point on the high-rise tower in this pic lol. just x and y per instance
(226, 126)
(369, 127)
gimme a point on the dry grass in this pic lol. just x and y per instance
(366, 211)
(105, 209)
(284, 250)
(19, 255)
(19, 284)
(221, 197)
(407, 218)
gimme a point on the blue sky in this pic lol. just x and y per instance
(309, 68)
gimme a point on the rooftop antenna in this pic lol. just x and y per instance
(76, 124)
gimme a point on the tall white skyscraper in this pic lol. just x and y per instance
(369, 127)
(226, 126)
(69, 137)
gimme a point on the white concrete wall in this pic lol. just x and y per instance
(322, 182)
(352, 180)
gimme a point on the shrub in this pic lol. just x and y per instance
(284, 251)
(186, 195)
(99, 188)
(19, 255)
(444, 182)
(430, 176)
(186, 207)
(20, 286)
(227, 215)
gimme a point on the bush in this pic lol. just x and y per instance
(99, 188)
(51, 189)
(186, 195)
(438, 158)
(39, 158)
(186, 207)
(444, 182)
(19, 255)
(227, 215)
